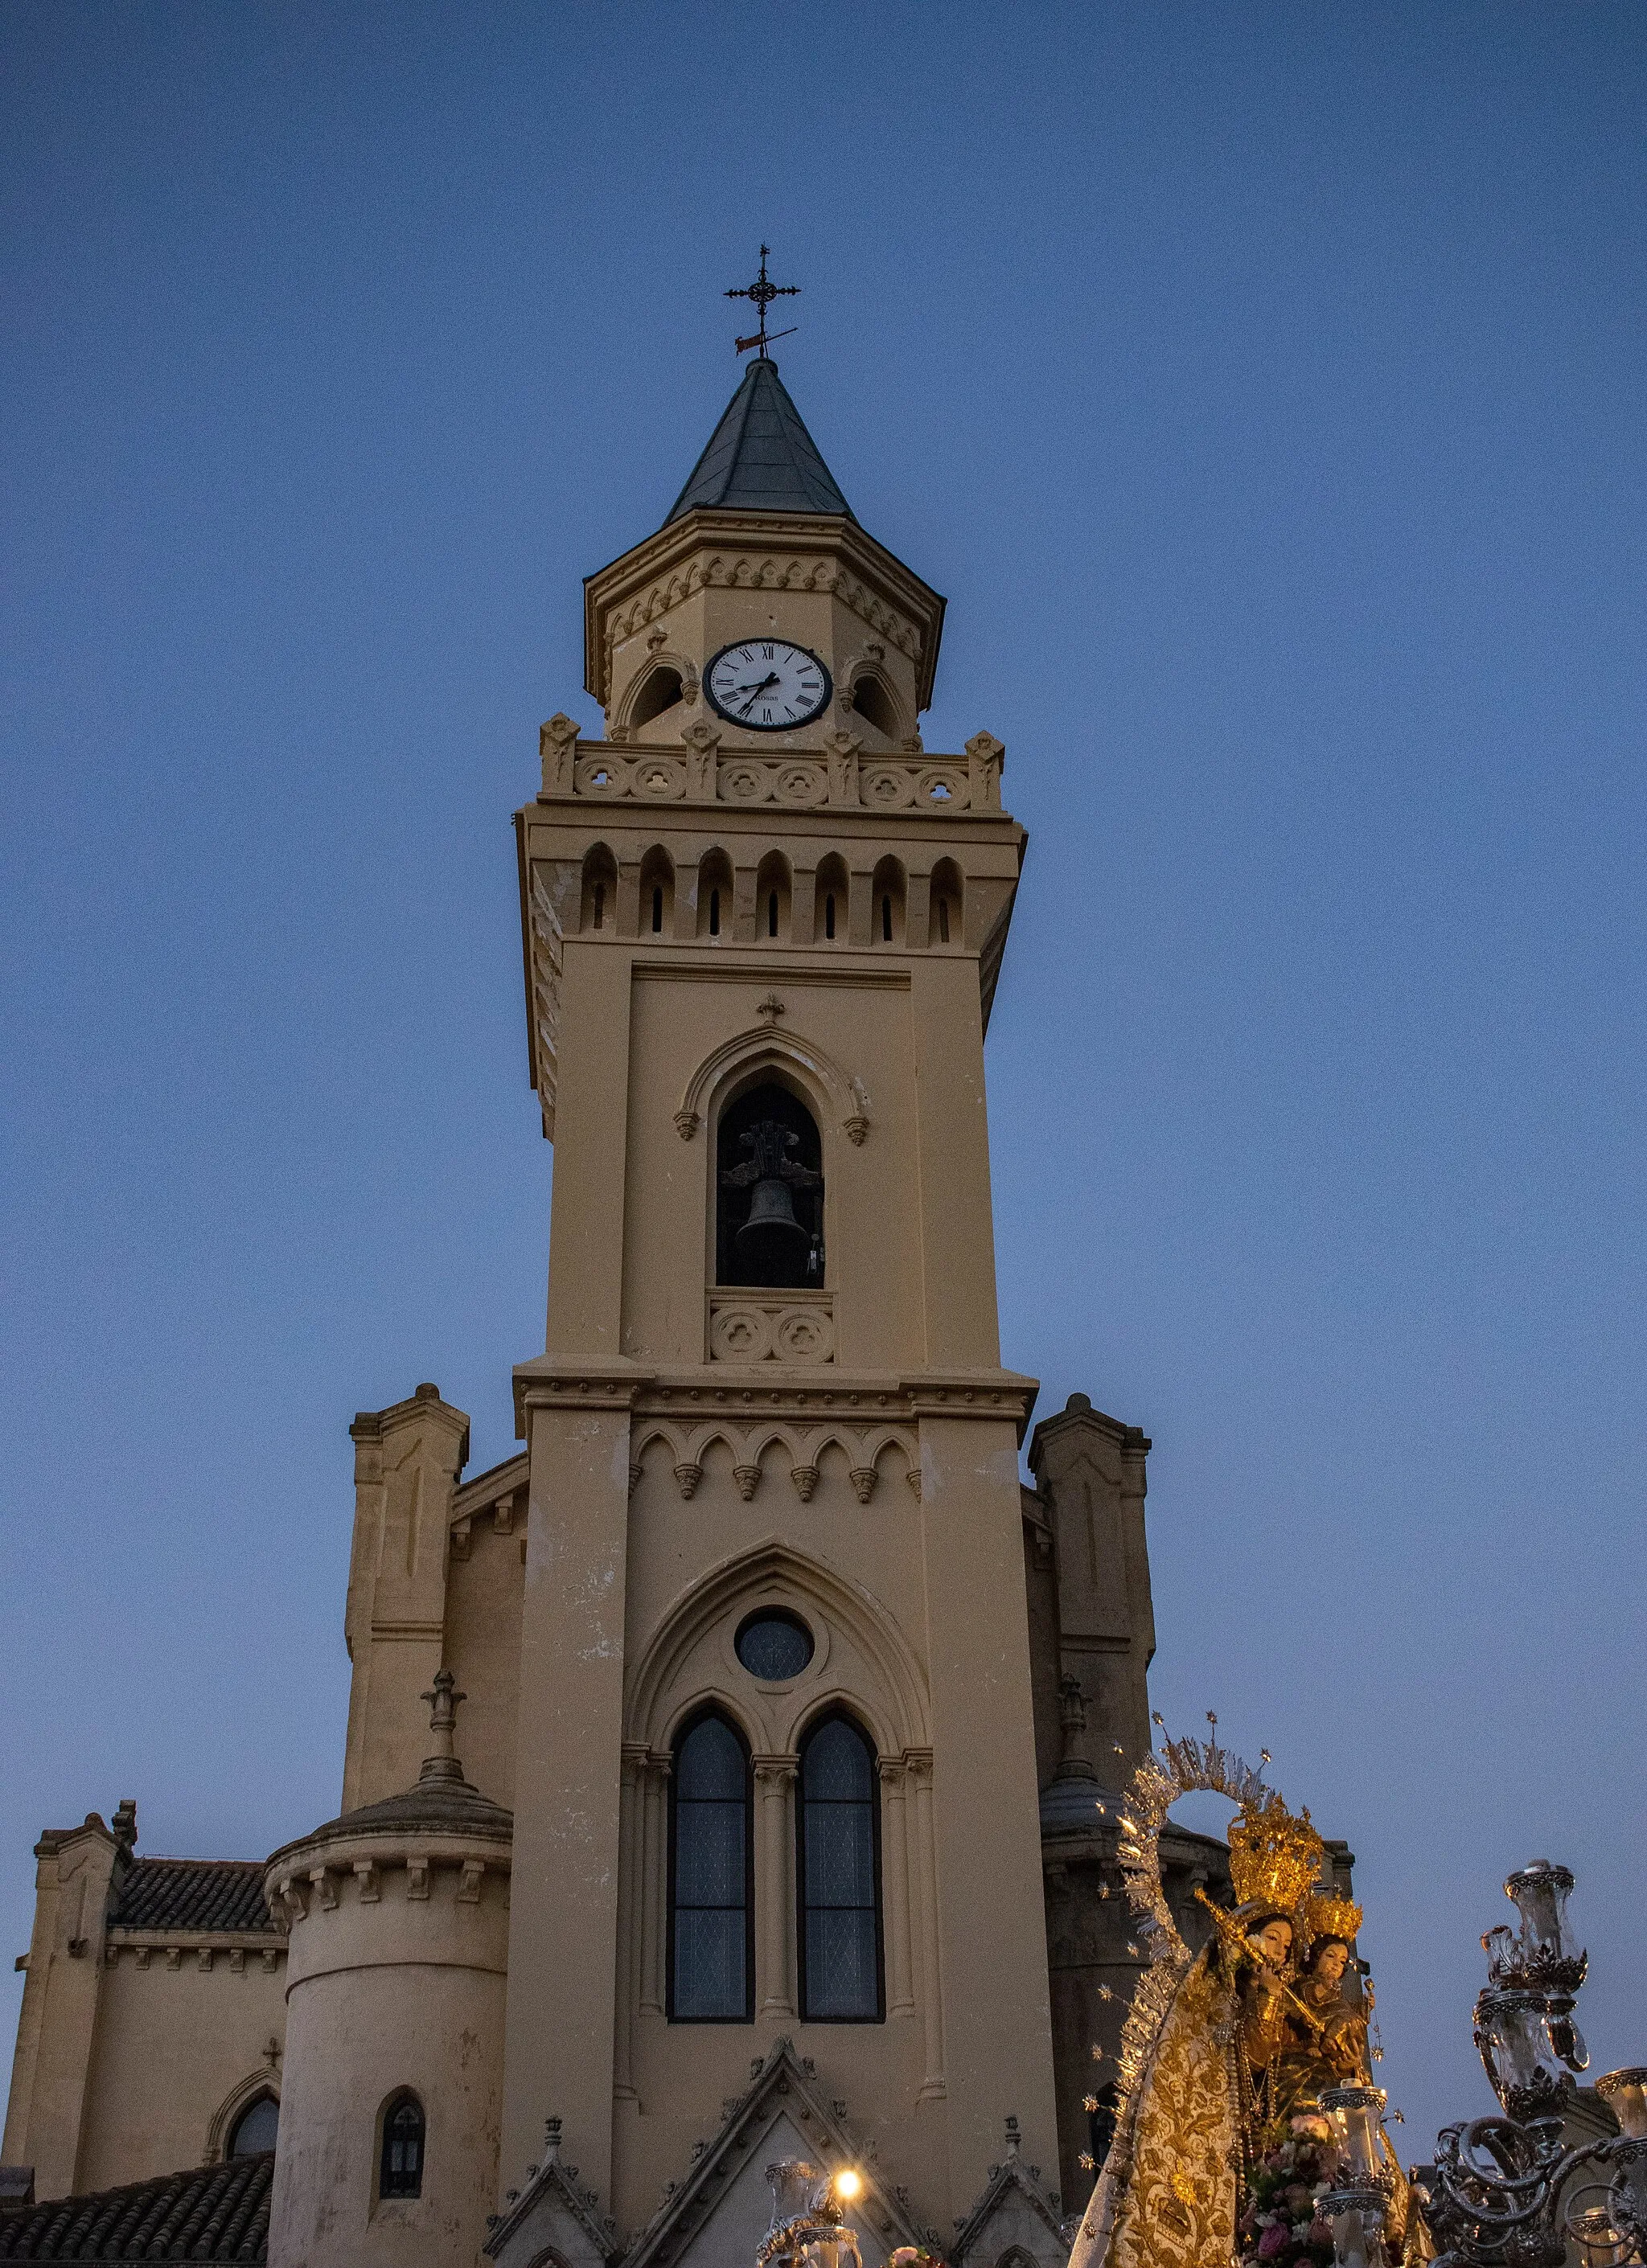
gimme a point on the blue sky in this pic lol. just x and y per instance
(1262, 385)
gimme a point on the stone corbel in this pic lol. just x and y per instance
(468, 1882)
(417, 1878)
(366, 1875)
(293, 1899)
(556, 744)
(460, 1538)
(320, 1876)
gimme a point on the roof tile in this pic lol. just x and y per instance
(222, 1894)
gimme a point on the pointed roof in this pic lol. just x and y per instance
(760, 457)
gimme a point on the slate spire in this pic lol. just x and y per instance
(760, 457)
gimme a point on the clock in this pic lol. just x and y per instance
(767, 684)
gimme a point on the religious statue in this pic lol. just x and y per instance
(1222, 2150)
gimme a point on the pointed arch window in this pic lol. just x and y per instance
(256, 2128)
(711, 1906)
(400, 2164)
(839, 1871)
(769, 1217)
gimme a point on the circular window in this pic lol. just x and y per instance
(773, 1645)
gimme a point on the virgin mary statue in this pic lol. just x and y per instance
(1210, 2034)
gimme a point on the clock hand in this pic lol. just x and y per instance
(756, 693)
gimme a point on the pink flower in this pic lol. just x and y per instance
(1275, 2239)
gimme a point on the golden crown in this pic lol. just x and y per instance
(1274, 1859)
(1329, 1915)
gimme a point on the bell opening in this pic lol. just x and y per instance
(769, 1218)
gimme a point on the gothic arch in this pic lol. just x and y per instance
(239, 2097)
(760, 1049)
(895, 1714)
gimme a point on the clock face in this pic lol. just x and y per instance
(767, 684)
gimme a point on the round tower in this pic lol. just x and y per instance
(397, 1917)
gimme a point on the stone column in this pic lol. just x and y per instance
(774, 1776)
(655, 1790)
(895, 1874)
(919, 1761)
(630, 1847)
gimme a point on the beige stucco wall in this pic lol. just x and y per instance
(400, 1992)
(173, 2044)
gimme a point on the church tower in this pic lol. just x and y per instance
(777, 1766)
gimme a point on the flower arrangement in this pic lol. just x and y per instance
(1281, 2221)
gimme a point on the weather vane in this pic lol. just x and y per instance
(764, 293)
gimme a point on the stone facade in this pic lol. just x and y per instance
(711, 913)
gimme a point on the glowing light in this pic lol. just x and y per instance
(848, 2183)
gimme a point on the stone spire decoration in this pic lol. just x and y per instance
(441, 1766)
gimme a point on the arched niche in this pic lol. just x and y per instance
(828, 1090)
(769, 1186)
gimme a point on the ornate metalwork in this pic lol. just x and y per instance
(1504, 2190)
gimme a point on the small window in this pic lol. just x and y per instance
(772, 913)
(839, 1828)
(886, 918)
(829, 915)
(600, 905)
(660, 691)
(773, 1645)
(871, 700)
(712, 1963)
(400, 2171)
(714, 913)
(256, 2128)
(657, 912)
(944, 921)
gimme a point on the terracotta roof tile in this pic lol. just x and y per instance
(192, 1894)
(215, 2214)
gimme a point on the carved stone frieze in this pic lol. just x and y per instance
(547, 955)
(746, 1328)
(775, 572)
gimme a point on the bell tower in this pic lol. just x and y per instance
(777, 1766)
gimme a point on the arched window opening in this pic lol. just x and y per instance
(712, 1905)
(888, 898)
(769, 1220)
(400, 2166)
(771, 895)
(714, 892)
(657, 892)
(839, 1870)
(945, 927)
(873, 702)
(661, 690)
(255, 2130)
(829, 910)
(599, 888)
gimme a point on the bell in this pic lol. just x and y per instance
(772, 1243)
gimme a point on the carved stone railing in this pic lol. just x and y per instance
(794, 1328)
(838, 773)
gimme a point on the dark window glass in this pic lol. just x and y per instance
(829, 915)
(769, 1219)
(256, 2128)
(399, 2173)
(600, 904)
(944, 921)
(712, 1965)
(772, 913)
(714, 913)
(657, 912)
(774, 1644)
(840, 1875)
(886, 920)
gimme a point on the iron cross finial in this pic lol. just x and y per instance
(763, 294)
